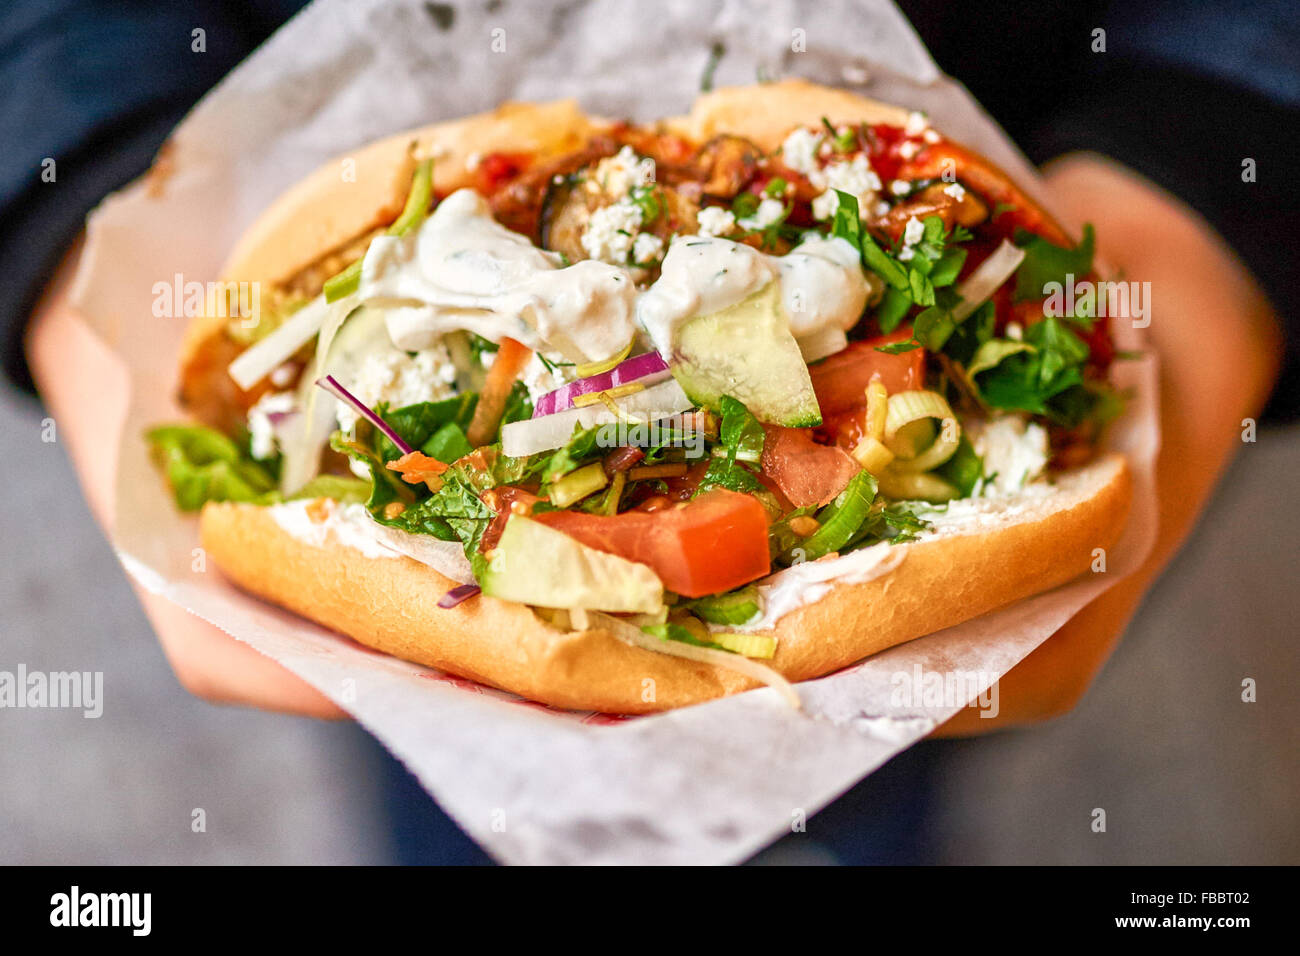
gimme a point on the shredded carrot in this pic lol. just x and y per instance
(416, 467)
(506, 368)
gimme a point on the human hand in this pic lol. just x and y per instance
(1216, 339)
(85, 391)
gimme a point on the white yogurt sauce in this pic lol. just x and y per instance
(353, 527)
(463, 270)
(808, 583)
(822, 284)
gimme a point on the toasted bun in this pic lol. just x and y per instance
(1022, 547)
(391, 603)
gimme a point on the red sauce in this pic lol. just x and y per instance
(496, 169)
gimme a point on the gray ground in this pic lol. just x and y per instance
(1185, 771)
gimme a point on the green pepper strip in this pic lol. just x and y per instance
(413, 214)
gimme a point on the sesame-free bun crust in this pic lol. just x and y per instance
(1026, 546)
(390, 604)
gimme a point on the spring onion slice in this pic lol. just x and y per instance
(254, 364)
(335, 388)
(596, 368)
(906, 408)
(348, 281)
(629, 634)
(916, 486)
(593, 398)
(979, 286)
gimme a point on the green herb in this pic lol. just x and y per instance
(742, 436)
(1031, 380)
(744, 205)
(646, 198)
(1046, 263)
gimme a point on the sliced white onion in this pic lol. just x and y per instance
(519, 439)
(822, 343)
(260, 360)
(978, 287)
(630, 634)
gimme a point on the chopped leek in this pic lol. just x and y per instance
(907, 425)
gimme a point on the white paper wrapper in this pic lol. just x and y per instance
(709, 784)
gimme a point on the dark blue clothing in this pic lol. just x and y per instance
(1184, 92)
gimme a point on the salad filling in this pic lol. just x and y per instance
(634, 384)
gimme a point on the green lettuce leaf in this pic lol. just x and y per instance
(203, 465)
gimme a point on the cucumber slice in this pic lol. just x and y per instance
(537, 565)
(746, 351)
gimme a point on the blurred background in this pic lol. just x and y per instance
(1186, 771)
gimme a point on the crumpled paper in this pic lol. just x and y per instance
(708, 784)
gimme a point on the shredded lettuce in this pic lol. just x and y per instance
(203, 465)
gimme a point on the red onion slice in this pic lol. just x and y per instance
(639, 368)
(335, 388)
(457, 594)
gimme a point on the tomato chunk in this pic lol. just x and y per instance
(807, 473)
(713, 543)
(841, 381)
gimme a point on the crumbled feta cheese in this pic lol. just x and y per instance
(399, 379)
(1014, 449)
(909, 149)
(900, 187)
(1015, 332)
(916, 125)
(799, 151)
(261, 430)
(913, 233)
(931, 136)
(856, 177)
(768, 212)
(715, 221)
(647, 248)
(881, 209)
(955, 191)
(472, 161)
(619, 174)
(539, 379)
(610, 232)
